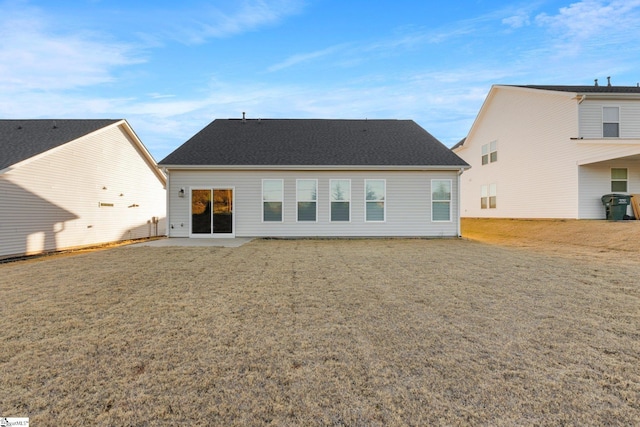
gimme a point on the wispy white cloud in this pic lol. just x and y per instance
(305, 57)
(215, 21)
(36, 56)
(517, 21)
(588, 18)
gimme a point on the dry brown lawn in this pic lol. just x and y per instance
(325, 332)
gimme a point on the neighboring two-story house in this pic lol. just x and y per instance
(551, 151)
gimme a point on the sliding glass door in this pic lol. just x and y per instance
(212, 212)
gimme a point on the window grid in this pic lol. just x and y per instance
(375, 203)
(340, 200)
(272, 200)
(307, 200)
(610, 122)
(619, 180)
(440, 200)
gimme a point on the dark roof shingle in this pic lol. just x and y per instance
(312, 142)
(23, 139)
(586, 89)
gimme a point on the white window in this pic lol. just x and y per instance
(375, 190)
(610, 122)
(440, 200)
(340, 199)
(619, 180)
(484, 197)
(307, 196)
(272, 200)
(488, 195)
(490, 152)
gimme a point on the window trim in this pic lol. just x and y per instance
(449, 201)
(611, 122)
(306, 201)
(488, 192)
(383, 200)
(489, 153)
(281, 198)
(626, 180)
(331, 201)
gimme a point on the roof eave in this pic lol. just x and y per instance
(317, 167)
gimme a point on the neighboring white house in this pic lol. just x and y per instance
(551, 151)
(73, 183)
(305, 178)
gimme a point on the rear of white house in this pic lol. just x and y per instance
(551, 151)
(311, 178)
(74, 183)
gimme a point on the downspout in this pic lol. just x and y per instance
(167, 221)
(459, 227)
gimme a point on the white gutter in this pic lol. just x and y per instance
(459, 226)
(166, 201)
(314, 167)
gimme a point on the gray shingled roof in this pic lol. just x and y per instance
(23, 139)
(313, 142)
(586, 89)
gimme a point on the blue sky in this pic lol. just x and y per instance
(171, 67)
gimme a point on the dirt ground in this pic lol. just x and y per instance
(331, 332)
(553, 235)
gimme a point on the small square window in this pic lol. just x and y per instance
(619, 180)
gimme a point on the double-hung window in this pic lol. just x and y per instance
(440, 200)
(488, 196)
(272, 200)
(610, 122)
(307, 198)
(490, 152)
(619, 180)
(375, 199)
(340, 199)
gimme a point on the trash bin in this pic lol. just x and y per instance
(615, 206)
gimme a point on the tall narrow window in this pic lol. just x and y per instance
(307, 193)
(340, 199)
(485, 154)
(493, 151)
(375, 199)
(619, 180)
(441, 200)
(493, 192)
(484, 197)
(611, 122)
(272, 200)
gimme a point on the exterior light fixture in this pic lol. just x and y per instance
(181, 192)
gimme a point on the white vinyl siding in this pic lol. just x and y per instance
(93, 190)
(595, 182)
(407, 213)
(528, 125)
(593, 113)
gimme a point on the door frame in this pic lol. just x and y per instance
(213, 235)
